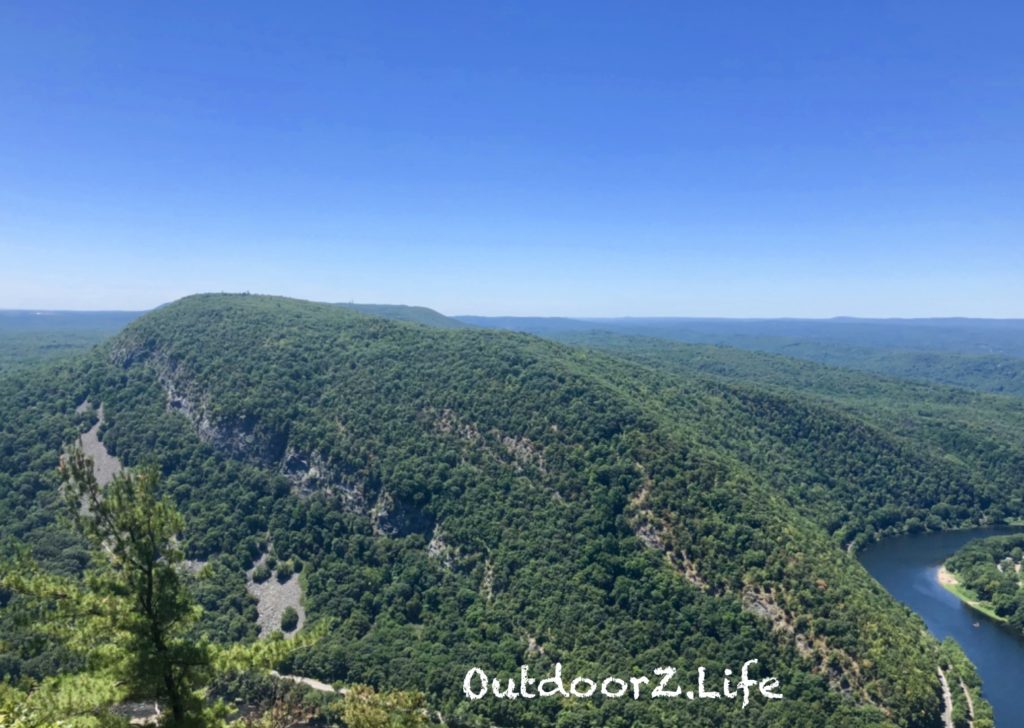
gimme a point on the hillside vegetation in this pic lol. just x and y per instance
(966, 444)
(988, 572)
(464, 498)
(411, 314)
(31, 337)
(986, 355)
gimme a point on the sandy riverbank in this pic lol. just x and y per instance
(951, 584)
(946, 578)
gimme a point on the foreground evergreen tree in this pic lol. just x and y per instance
(137, 533)
(363, 707)
(131, 619)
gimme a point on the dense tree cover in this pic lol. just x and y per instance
(970, 710)
(411, 314)
(468, 498)
(276, 703)
(26, 348)
(991, 373)
(130, 621)
(31, 337)
(959, 452)
(989, 570)
(289, 620)
(986, 355)
(957, 335)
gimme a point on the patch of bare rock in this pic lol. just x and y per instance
(105, 465)
(274, 597)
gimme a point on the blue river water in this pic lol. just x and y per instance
(907, 565)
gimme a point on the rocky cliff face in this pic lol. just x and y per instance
(246, 437)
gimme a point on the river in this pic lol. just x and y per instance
(906, 566)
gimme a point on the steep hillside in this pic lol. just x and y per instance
(470, 498)
(969, 441)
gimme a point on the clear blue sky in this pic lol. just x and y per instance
(567, 158)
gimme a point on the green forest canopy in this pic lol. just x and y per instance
(467, 497)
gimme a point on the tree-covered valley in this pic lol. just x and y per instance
(452, 497)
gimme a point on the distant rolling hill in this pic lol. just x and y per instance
(982, 354)
(410, 314)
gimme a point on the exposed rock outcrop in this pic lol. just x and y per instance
(392, 516)
(274, 597)
(311, 474)
(105, 465)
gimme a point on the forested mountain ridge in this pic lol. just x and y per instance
(985, 355)
(467, 498)
(411, 314)
(970, 440)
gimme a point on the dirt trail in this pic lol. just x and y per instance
(970, 704)
(139, 712)
(947, 698)
(309, 682)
